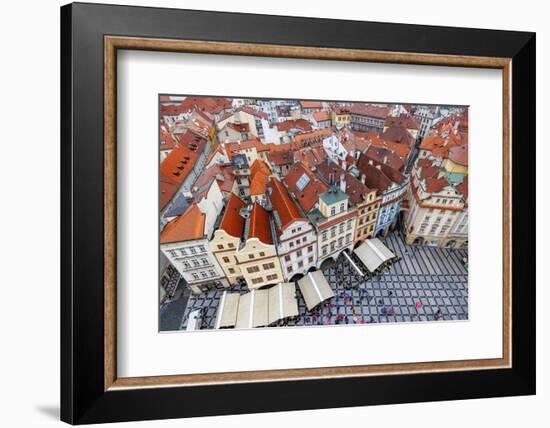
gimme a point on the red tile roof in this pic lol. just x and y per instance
(405, 120)
(459, 155)
(398, 134)
(221, 173)
(258, 185)
(424, 163)
(259, 166)
(239, 127)
(301, 140)
(175, 168)
(246, 109)
(207, 104)
(259, 224)
(311, 156)
(232, 222)
(463, 188)
(168, 140)
(434, 185)
(186, 227)
(402, 150)
(383, 156)
(356, 190)
(362, 109)
(321, 116)
(253, 143)
(309, 195)
(311, 104)
(429, 172)
(283, 204)
(374, 177)
(279, 157)
(299, 124)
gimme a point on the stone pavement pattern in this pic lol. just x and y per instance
(425, 284)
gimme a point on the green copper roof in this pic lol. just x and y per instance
(333, 196)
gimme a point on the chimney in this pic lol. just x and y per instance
(344, 165)
(343, 183)
(385, 159)
(363, 178)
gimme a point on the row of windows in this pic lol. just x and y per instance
(260, 279)
(195, 263)
(366, 219)
(265, 266)
(290, 269)
(298, 253)
(364, 231)
(297, 242)
(333, 246)
(342, 209)
(183, 252)
(229, 245)
(204, 275)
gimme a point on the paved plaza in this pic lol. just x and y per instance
(425, 284)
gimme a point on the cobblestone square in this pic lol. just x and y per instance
(424, 284)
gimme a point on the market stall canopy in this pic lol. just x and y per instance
(253, 309)
(226, 316)
(282, 302)
(315, 289)
(373, 253)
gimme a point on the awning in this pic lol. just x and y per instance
(226, 316)
(253, 308)
(282, 302)
(373, 253)
(315, 289)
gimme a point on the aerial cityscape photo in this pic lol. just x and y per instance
(282, 213)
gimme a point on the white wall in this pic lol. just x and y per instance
(30, 320)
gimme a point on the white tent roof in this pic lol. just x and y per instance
(282, 302)
(373, 253)
(315, 289)
(253, 308)
(227, 310)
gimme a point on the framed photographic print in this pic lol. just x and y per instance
(257, 207)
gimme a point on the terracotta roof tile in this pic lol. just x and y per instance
(309, 195)
(283, 204)
(405, 120)
(370, 110)
(356, 190)
(259, 224)
(259, 166)
(434, 185)
(258, 185)
(463, 188)
(311, 104)
(232, 222)
(321, 116)
(398, 134)
(459, 155)
(298, 124)
(175, 168)
(279, 157)
(186, 227)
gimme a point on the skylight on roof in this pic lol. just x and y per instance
(302, 182)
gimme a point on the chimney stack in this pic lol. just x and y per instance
(343, 183)
(344, 165)
(363, 178)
